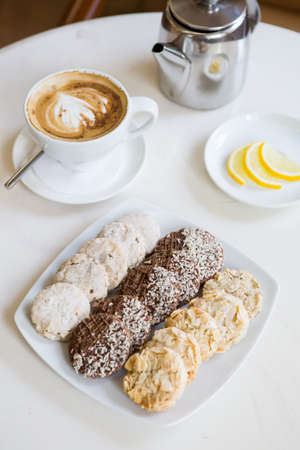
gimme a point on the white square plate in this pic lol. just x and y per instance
(212, 375)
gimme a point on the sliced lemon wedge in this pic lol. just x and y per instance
(235, 165)
(256, 170)
(278, 164)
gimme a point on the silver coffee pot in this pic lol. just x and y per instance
(203, 51)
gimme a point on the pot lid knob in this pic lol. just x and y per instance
(208, 15)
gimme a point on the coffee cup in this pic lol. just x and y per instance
(78, 116)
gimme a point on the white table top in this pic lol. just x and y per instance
(258, 408)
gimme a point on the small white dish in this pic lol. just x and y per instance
(281, 131)
(50, 179)
(211, 376)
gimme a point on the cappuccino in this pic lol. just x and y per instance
(76, 106)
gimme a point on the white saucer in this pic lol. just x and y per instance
(283, 132)
(49, 179)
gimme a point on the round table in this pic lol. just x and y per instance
(259, 407)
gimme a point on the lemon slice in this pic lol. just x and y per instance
(255, 169)
(235, 165)
(278, 164)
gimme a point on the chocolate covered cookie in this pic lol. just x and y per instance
(156, 287)
(99, 346)
(132, 313)
(195, 244)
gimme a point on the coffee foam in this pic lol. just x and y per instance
(76, 106)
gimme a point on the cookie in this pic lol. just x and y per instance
(187, 273)
(201, 325)
(85, 273)
(146, 225)
(241, 284)
(109, 253)
(132, 313)
(100, 304)
(156, 287)
(156, 378)
(129, 238)
(196, 244)
(99, 346)
(57, 309)
(184, 344)
(229, 313)
(170, 243)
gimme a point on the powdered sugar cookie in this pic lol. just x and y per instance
(146, 225)
(132, 313)
(109, 253)
(156, 378)
(86, 273)
(57, 309)
(129, 238)
(239, 283)
(229, 313)
(184, 344)
(99, 346)
(201, 325)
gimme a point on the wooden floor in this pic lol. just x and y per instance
(22, 18)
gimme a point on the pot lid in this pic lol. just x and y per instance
(208, 15)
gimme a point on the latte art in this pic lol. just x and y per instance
(86, 106)
(70, 113)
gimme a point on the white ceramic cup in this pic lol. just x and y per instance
(80, 155)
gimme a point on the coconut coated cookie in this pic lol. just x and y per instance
(194, 244)
(99, 346)
(109, 253)
(132, 313)
(129, 238)
(85, 273)
(146, 225)
(57, 309)
(156, 287)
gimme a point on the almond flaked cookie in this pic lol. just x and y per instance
(239, 283)
(109, 253)
(201, 325)
(85, 273)
(57, 309)
(129, 238)
(184, 344)
(146, 225)
(156, 378)
(229, 313)
(132, 313)
(99, 346)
